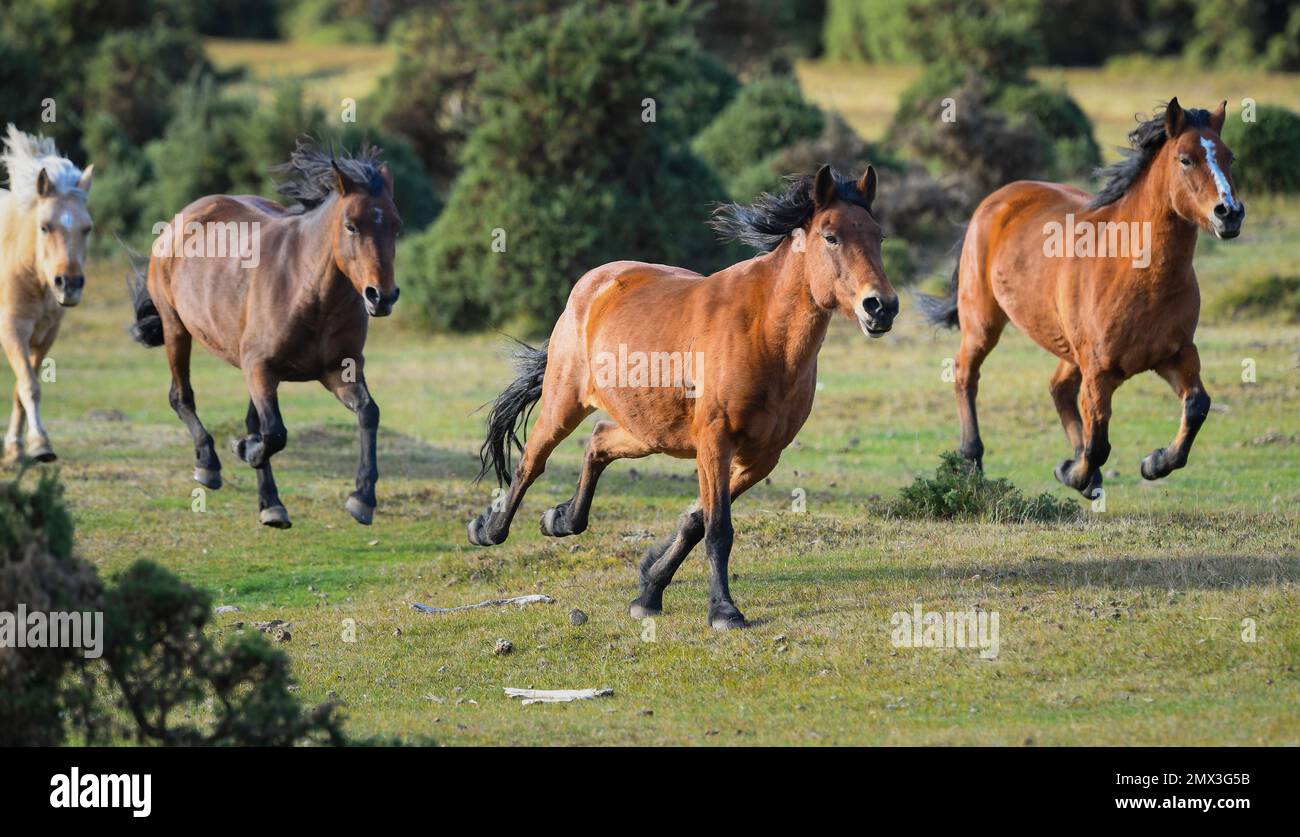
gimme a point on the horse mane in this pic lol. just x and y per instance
(308, 176)
(25, 155)
(765, 223)
(1145, 141)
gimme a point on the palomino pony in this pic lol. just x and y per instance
(295, 311)
(735, 369)
(1111, 311)
(44, 225)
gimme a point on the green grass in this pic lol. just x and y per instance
(1121, 628)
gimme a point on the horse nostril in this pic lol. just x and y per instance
(872, 306)
(1221, 210)
(372, 294)
(58, 281)
(396, 293)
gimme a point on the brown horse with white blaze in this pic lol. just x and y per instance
(746, 341)
(297, 309)
(1111, 311)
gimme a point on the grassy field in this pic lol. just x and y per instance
(1122, 628)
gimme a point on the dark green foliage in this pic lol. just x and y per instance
(133, 74)
(960, 491)
(38, 571)
(766, 116)
(762, 35)
(867, 30)
(1246, 33)
(564, 166)
(1268, 150)
(1268, 296)
(164, 667)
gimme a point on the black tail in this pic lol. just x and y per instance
(509, 414)
(942, 310)
(147, 330)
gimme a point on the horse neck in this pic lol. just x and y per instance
(794, 325)
(325, 283)
(17, 236)
(1173, 238)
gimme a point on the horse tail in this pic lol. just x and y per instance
(147, 329)
(942, 310)
(510, 410)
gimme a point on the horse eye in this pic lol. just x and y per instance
(45, 228)
(830, 239)
(1186, 161)
(350, 227)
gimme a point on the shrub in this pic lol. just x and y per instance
(1268, 150)
(1266, 296)
(766, 116)
(133, 74)
(38, 571)
(959, 490)
(564, 166)
(867, 30)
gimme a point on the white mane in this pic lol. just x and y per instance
(25, 155)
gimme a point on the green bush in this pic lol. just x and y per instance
(766, 116)
(564, 166)
(960, 491)
(133, 74)
(1268, 150)
(867, 30)
(1266, 296)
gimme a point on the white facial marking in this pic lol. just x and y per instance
(379, 215)
(66, 220)
(1220, 179)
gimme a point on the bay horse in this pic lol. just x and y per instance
(44, 228)
(1108, 311)
(735, 369)
(296, 310)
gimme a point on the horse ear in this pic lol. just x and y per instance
(1173, 118)
(824, 187)
(87, 177)
(342, 182)
(387, 173)
(1219, 116)
(867, 185)
(44, 186)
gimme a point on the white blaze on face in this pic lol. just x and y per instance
(66, 220)
(1220, 179)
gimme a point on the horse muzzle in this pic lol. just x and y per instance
(68, 288)
(1225, 221)
(876, 314)
(379, 304)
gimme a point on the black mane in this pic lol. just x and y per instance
(1146, 139)
(308, 176)
(765, 223)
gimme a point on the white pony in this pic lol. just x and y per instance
(44, 225)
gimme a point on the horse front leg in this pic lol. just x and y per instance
(16, 341)
(355, 395)
(1183, 372)
(14, 446)
(714, 461)
(267, 436)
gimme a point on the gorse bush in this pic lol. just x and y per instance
(959, 490)
(765, 117)
(1268, 150)
(570, 167)
(169, 683)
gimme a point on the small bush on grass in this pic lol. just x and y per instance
(960, 491)
(1268, 150)
(1267, 296)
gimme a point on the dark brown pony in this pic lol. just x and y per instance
(1108, 312)
(294, 310)
(734, 359)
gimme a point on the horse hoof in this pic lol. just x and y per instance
(42, 453)
(476, 535)
(275, 516)
(1153, 467)
(549, 518)
(1062, 473)
(727, 620)
(643, 611)
(360, 511)
(208, 478)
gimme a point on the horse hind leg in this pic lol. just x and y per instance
(271, 512)
(609, 442)
(207, 468)
(1065, 394)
